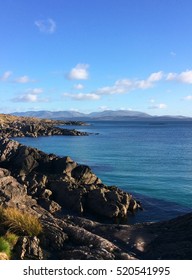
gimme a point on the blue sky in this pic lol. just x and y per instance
(93, 55)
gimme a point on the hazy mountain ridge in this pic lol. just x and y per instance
(110, 115)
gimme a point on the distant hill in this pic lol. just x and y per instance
(50, 114)
(108, 115)
(118, 113)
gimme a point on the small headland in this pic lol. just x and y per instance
(12, 126)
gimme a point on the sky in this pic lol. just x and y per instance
(95, 55)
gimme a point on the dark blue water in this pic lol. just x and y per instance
(151, 160)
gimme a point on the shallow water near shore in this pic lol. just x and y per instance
(153, 161)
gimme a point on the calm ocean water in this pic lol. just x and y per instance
(153, 161)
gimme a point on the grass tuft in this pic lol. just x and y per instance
(20, 223)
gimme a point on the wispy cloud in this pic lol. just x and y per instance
(30, 96)
(122, 86)
(155, 105)
(23, 80)
(126, 85)
(82, 96)
(103, 108)
(183, 77)
(46, 26)
(5, 76)
(158, 106)
(79, 72)
(188, 97)
(79, 86)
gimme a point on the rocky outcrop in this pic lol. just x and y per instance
(35, 129)
(173, 239)
(28, 248)
(60, 183)
(61, 237)
(12, 193)
(72, 237)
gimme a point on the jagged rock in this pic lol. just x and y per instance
(49, 205)
(54, 236)
(83, 174)
(32, 127)
(28, 248)
(55, 182)
(62, 165)
(12, 193)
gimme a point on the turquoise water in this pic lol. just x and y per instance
(151, 160)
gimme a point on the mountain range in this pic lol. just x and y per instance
(107, 115)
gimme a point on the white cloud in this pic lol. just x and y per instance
(26, 98)
(31, 95)
(79, 86)
(121, 86)
(82, 96)
(74, 109)
(126, 85)
(171, 76)
(155, 77)
(183, 77)
(79, 72)
(103, 108)
(23, 80)
(188, 97)
(5, 76)
(46, 26)
(35, 91)
(158, 106)
(125, 108)
(149, 82)
(155, 105)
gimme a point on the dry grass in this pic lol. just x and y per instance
(20, 223)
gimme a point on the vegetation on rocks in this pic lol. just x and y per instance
(5, 247)
(20, 223)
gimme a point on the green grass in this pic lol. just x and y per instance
(11, 238)
(5, 247)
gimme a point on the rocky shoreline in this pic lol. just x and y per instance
(11, 127)
(69, 199)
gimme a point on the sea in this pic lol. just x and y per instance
(150, 160)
